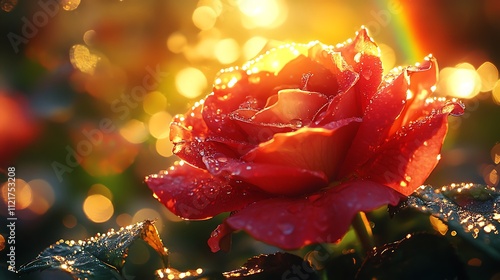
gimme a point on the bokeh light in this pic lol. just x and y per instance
(164, 147)
(23, 194)
(262, 13)
(8, 5)
(43, 196)
(82, 59)
(69, 221)
(102, 150)
(124, 219)
(495, 153)
(134, 131)
(98, 208)
(190, 82)
(159, 125)
(100, 189)
(204, 17)
(462, 81)
(496, 92)
(227, 51)
(176, 42)
(89, 37)
(70, 5)
(154, 102)
(489, 75)
(2, 242)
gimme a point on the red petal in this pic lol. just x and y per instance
(293, 106)
(260, 132)
(364, 55)
(422, 79)
(333, 61)
(220, 238)
(193, 193)
(384, 109)
(216, 112)
(407, 159)
(306, 74)
(320, 149)
(273, 179)
(193, 151)
(323, 218)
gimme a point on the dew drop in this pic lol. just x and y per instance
(357, 57)
(222, 159)
(296, 123)
(286, 228)
(367, 74)
(454, 108)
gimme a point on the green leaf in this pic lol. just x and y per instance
(471, 210)
(419, 256)
(273, 266)
(100, 257)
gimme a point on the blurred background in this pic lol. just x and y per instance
(88, 88)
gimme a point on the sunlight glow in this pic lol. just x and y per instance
(190, 82)
(98, 208)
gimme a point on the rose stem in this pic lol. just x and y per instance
(363, 231)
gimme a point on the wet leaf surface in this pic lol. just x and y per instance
(273, 266)
(471, 210)
(100, 257)
(419, 256)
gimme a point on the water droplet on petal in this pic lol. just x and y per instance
(357, 57)
(367, 74)
(454, 108)
(296, 123)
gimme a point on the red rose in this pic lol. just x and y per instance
(299, 140)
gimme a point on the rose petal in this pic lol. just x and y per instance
(291, 223)
(422, 80)
(193, 151)
(385, 108)
(275, 59)
(220, 238)
(216, 115)
(333, 61)
(409, 156)
(343, 106)
(306, 74)
(193, 193)
(320, 149)
(293, 106)
(364, 55)
(259, 132)
(273, 179)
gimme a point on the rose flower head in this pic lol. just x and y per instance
(300, 139)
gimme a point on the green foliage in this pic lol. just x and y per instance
(419, 256)
(471, 210)
(100, 257)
